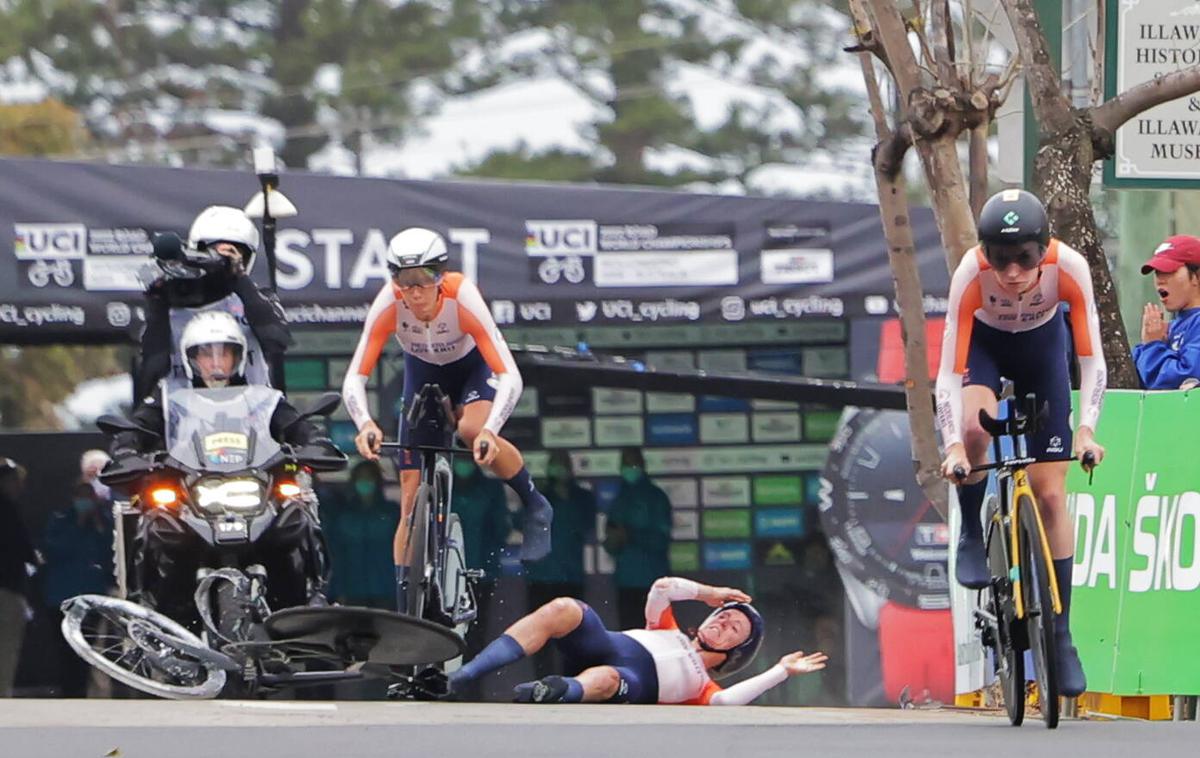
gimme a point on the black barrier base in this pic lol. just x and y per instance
(367, 635)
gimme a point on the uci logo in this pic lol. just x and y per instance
(560, 237)
(38, 241)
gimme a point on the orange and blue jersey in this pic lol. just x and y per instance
(462, 325)
(976, 295)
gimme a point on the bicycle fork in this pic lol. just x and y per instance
(1021, 487)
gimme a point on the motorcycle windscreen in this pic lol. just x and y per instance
(222, 430)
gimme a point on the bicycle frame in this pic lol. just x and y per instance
(437, 476)
(1013, 481)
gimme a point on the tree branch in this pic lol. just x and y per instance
(1161, 89)
(943, 44)
(1041, 74)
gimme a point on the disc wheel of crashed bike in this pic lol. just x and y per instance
(418, 591)
(1007, 655)
(1039, 611)
(142, 648)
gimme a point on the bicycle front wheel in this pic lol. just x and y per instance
(1008, 653)
(417, 593)
(1039, 610)
(142, 648)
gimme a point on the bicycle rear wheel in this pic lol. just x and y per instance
(1008, 652)
(1039, 610)
(417, 593)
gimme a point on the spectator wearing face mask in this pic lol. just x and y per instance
(77, 547)
(560, 574)
(359, 521)
(638, 536)
(1168, 356)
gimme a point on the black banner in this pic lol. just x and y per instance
(541, 253)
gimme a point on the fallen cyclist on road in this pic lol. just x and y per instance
(658, 664)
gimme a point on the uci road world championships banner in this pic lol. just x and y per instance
(542, 253)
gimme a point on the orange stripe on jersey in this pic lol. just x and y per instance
(1051, 257)
(470, 324)
(1071, 293)
(706, 695)
(666, 620)
(972, 300)
(383, 328)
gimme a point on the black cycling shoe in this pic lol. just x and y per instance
(552, 689)
(971, 568)
(1071, 680)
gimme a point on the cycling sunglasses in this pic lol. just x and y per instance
(415, 277)
(1026, 255)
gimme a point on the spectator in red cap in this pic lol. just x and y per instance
(1169, 356)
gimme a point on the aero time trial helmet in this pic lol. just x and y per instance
(417, 248)
(1009, 220)
(740, 655)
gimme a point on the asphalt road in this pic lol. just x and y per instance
(159, 729)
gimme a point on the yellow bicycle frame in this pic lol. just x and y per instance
(1020, 486)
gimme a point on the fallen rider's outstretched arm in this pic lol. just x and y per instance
(792, 664)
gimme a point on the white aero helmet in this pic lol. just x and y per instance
(213, 328)
(221, 223)
(417, 248)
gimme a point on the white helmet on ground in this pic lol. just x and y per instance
(207, 329)
(417, 248)
(221, 223)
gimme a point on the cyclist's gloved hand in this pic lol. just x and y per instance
(368, 440)
(956, 458)
(486, 447)
(1085, 442)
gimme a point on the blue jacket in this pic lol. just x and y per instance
(1165, 365)
(644, 511)
(573, 527)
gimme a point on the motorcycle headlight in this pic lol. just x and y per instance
(221, 495)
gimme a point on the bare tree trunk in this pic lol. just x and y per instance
(934, 134)
(978, 168)
(887, 159)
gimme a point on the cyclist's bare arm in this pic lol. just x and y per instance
(1075, 288)
(966, 296)
(476, 320)
(379, 326)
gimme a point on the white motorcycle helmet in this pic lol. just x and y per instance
(221, 223)
(212, 328)
(417, 248)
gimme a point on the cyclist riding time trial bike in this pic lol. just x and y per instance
(440, 587)
(1016, 611)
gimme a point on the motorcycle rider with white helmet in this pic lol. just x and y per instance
(214, 347)
(211, 272)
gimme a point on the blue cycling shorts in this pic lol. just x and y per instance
(591, 645)
(465, 381)
(1035, 361)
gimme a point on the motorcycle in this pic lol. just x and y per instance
(221, 527)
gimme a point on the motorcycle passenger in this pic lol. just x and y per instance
(181, 284)
(215, 350)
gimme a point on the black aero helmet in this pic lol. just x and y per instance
(1013, 216)
(739, 656)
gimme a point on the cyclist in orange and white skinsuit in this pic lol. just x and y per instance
(449, 339)
(1005, 320)
(657, 664)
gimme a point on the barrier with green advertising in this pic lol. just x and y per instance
(1136, 609)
